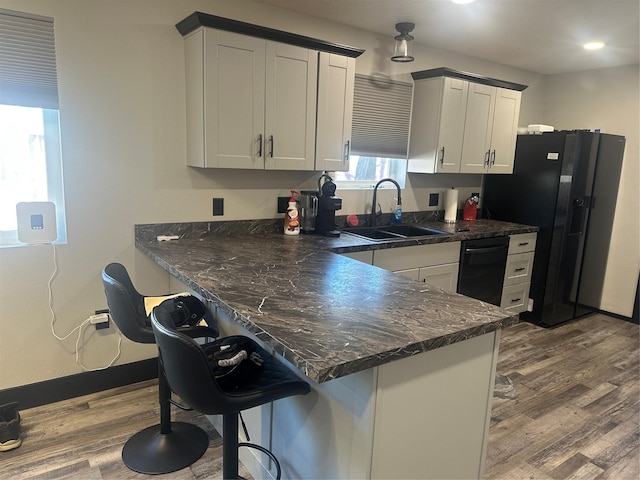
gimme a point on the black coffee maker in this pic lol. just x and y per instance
(328, 203)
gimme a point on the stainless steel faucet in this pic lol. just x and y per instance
(372, 219)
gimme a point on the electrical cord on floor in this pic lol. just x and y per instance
(79, 327)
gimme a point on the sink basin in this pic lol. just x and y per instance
(390, 232)
(411, 230)
(372, 233)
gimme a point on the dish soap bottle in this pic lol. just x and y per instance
(292, 217)
(396, 217)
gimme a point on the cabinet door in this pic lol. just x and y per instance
(476, 150)
(504, 131)
(437, 125)
(290, 123)
(441, 276)
(412, 273)
(452, 115)
(234, 86)
(336, 76)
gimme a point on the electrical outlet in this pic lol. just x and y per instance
(283, 204)
(100, 319)
(218, 206)
(433, 199)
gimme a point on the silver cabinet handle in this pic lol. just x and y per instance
(514, 300)
(520, 269)
(442, 156)
(486, 157)
(271, 143)
(260, 145)
(347, 151)
(493, 158)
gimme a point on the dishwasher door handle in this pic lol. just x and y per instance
(486, 249)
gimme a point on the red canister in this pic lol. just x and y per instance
(470, 210)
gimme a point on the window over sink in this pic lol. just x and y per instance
(365, 171)
(380, 133)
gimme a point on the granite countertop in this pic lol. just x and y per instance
(327, 314)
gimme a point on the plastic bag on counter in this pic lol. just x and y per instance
(503, 387)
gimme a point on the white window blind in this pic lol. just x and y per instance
(27, 60)
(381, 116)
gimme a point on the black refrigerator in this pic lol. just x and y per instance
(566, 183)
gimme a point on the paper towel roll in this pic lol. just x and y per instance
(451, 206)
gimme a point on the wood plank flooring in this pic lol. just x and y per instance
(575, 415)
(576, 409)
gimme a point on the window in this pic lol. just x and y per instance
(365, 171)
(380, 133)
(30, 160)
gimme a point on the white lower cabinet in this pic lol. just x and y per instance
(517, 275)
(365, 256)
(441, 276)
(435, 264)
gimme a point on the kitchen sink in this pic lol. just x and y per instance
(411, 230)
(390, 232)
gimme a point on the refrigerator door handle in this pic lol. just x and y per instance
(576, 226)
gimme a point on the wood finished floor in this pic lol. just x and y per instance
(575, 415)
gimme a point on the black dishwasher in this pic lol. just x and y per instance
(482, 265)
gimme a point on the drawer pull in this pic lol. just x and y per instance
(520, 269)
(514, 300)
(523, 244)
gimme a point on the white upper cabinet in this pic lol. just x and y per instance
(490, 130)
(461, 123)
(253, 97)
(290, 115)
(335, 110)
(437, 123)
(259, 102)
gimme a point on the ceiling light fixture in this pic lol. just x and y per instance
(593, 45)
(402, 51)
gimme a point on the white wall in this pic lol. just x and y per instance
(121, 86)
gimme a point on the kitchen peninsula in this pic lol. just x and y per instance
(401, 372)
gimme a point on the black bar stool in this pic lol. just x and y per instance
(216, 385)
(168, 446)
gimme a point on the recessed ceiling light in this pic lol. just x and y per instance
(593, 45)
(463, 1)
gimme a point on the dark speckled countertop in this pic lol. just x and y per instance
(327, 314)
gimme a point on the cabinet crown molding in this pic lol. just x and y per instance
(199, 19)
(472, 77)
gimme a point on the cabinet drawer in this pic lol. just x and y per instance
(518, 269)
(515, 297)
(404, 258)
(522, 242)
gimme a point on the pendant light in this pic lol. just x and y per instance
(402, 51)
